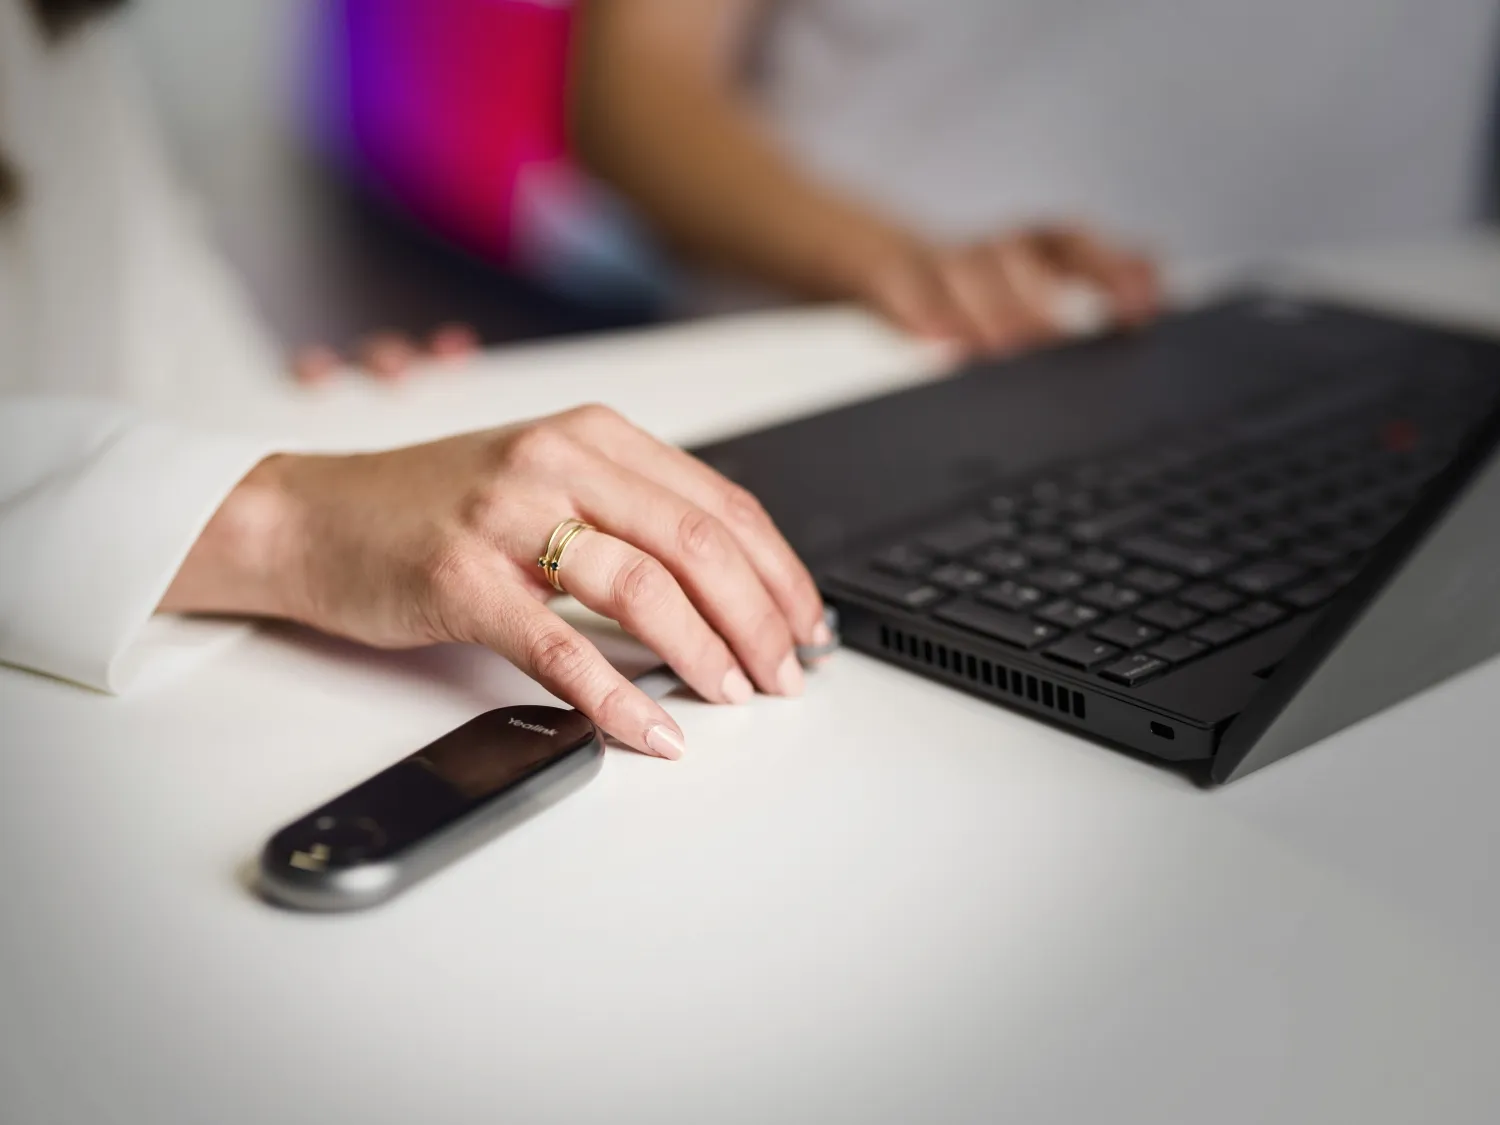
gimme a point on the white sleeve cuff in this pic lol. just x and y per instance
(88, 549)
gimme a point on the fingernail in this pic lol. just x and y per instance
(1079, 309)
(665, 742)
(736, 688)
(789, 680)
(822, 635)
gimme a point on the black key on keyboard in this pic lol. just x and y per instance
(1011, 594)
(1259, 615)
(1360, 539)
(963, 536)
(903, 559)
(1048, 493)
(958, 577)
(1151, 581)
(1312, 594)
(1219, 631)
(1126, 633)
(1001, 561)
(1081, 652)
(1210, 598)
(909, 593)
(1178, 649)
(1011, 628)
(1198, 561)
(1271, 500)
(1253, 542)
(1135, 668)
(1169, 615)
(1078, 503)
(1193, 530)
(1060, 580)
(1283, 531)
(1068, 615)
(1005, 504)
(1319, 554)
(1046, 548)
(1106, 525)
(1110, 596)
(1265, 577)
(1091, 560)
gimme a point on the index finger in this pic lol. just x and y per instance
(563, 661)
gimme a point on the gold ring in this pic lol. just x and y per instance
(551, 560)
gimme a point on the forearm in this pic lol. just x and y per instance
(657, 113)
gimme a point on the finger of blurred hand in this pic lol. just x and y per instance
(1129, 279)
(780, 570)
(315, 363)
(1033, 287)
(386, 355)
(453, 341)
(562, 660)
(625, 584)
(908, 291)
(977, 279)
(705, 558)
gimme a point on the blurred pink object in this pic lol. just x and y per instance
(443, 107)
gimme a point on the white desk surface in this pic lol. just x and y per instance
(884, 902)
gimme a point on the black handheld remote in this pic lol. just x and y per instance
(428, 809)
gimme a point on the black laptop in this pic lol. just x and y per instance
(1213, 542)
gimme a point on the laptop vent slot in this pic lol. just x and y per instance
(996, 679)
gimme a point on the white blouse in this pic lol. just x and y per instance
(111, 300)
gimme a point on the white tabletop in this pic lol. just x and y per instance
(883, 902)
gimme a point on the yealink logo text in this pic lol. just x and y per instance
(534, 728)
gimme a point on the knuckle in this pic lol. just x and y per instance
(742, 508)
(701, 537)
(539, 446)
(594, 416)
(643, 585)
(557, 655)
(615, 707)
(482, 508)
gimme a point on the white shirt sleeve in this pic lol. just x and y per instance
(98, 508)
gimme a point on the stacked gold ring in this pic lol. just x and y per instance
(551, 560)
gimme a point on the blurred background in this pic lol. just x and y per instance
(334, 241)
(398, 164)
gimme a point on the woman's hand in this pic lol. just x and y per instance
(440, 542)
(1012, 291)
(386, 355)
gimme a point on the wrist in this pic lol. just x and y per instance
(246, 561)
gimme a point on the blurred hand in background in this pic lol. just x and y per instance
(661, 110)
(387, 355)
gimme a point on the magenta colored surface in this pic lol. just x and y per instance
(439, 104)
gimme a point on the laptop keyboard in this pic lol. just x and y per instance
(1136, 564)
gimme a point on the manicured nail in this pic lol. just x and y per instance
(822, 635)
(736, 688)
(665, 742)
(789, 679)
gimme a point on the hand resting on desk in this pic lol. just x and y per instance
(440, 542)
